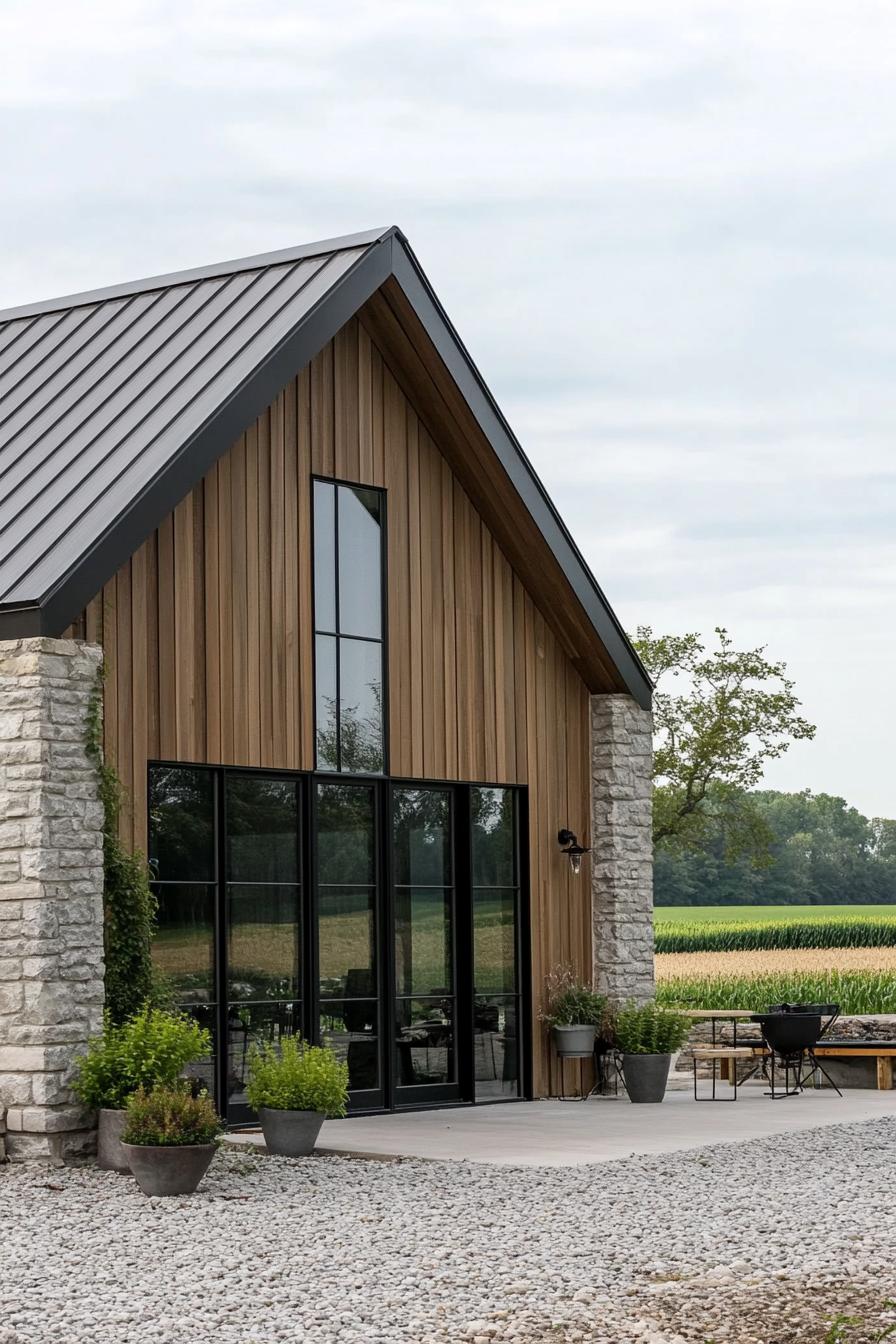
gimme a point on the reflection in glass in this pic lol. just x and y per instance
(423, 940)
(183, 947)
(360, 706)
(263, 942)
(360, 569)
(262, 829)
(326, 733)
(347, 933)
(421, 821)
(204, 1069)
(250, 1024)
(181, 824)
(352, 1031)
(424, 1044)
(494, 862)
(345, 835)
(494, 941)
(496, 1047)
(324, 556)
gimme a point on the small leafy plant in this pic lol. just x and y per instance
(570, 1003)
(151, 1048)
(297, 1077)
(170, 1117)
(649, 1029)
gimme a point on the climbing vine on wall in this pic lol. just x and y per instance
(129, 907)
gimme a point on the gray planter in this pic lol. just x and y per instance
(574, 1042)
(173, 1170)
(646, 1076)
(290, 1133)
(110, 1154)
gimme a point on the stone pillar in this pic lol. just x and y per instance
(622, 848)
(51, 892)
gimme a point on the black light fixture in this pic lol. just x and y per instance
(572, 849)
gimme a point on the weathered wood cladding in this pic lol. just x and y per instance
(207, 630)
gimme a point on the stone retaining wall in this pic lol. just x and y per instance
(853, 1073)
(51, 892)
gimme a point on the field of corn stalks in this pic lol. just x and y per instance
(746, 936)
(848, 959)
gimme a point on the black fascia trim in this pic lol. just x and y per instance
(218, 269)
(178, 477)
(419, 293)
(22, 622)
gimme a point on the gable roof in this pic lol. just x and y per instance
(114, 404)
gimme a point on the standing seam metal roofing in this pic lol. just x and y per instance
(115, 402)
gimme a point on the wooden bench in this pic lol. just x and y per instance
(884, 1054)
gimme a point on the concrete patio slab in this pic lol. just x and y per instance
(568, 1134)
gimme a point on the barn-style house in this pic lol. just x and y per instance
(357, 681)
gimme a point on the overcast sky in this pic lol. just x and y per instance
(666, 231)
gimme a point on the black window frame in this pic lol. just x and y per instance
(388, 1097)
(339, 483)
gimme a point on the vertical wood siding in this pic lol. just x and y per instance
(207, 631)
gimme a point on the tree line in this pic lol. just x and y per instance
(819, 852)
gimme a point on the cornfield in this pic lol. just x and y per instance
(857, 992)
(742, 936)
(776, 961)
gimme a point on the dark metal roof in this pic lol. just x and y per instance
(115, 402)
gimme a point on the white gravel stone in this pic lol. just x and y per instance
(717, 1243)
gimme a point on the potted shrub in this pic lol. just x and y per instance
(648, 1035)
(573, 1012)
(294, 1089)
(169, 1138)
(150, 1048)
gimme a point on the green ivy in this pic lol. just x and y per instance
(129, 907)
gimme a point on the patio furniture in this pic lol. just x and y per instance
(717, 1054)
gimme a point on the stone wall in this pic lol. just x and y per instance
(622, 847)
(51, 883)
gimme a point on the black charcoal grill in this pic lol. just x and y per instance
(791, 1031)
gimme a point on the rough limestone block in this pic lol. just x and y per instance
(622, 847)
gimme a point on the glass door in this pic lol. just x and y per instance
(497, 1002)
(348, 953)
(425, 1062)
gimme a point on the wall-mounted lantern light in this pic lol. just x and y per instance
(572, 849)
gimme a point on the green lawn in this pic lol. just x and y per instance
(735, 914)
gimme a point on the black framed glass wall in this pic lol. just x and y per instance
(383, 918)
(348, 628)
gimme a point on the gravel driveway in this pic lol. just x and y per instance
(758, 1241)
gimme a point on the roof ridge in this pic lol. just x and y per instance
(126, 289)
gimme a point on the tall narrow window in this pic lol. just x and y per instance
(348, 625)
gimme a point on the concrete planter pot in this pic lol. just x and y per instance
(574, 1042)
(646, 1076)
(172, 1170)
(110, 1153)
(290, 1133)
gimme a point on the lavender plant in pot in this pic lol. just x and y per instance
(153, 1047)
(169, 1138)
(573, 1012)
(294, 1088)
(647, 1036)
